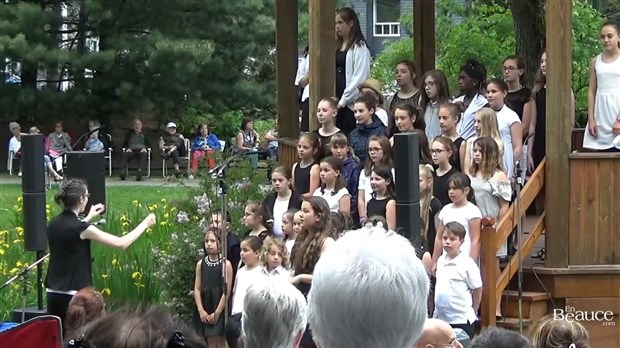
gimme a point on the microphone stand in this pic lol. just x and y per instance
(24, 276)
(518, 177)
(87, 134)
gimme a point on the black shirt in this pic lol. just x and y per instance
(70, 265)
(440, 186)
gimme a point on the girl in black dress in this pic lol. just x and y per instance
(209, 291)
(70, 264)
(382, 202)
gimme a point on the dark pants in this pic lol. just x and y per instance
(468, 328)
(345, 120)
(173, 155)
(133, 154)
(57, 305)
(233, 330)
(305, 116)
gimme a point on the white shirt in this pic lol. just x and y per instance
(456, 279)
(302, 70)
(364, 184)
(383, 115)
(333, 200)
(278, 272)
(244, 279)
(462, 215)
(14, 145)
(465, 127)
(289, 245)
(505, 119)
(279, 208)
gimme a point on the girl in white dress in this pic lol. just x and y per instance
(604, 94)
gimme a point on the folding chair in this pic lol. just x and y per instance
(188, 151)
(148, 160)
(43, 331)
(108, 155)
(10, 160)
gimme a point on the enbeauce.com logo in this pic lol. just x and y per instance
(569, 313)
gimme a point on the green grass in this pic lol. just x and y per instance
(122, 276)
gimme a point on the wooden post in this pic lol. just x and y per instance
(423, 36)
(286, 68)
(322, 53)
(489, 276)
(560, 118)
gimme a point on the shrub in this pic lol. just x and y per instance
(177, 269)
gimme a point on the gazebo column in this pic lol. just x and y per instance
(423, 36)
(322, 53)
(560, 121)
(286, 69)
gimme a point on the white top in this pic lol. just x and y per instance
(333, 199)
(465, 127)
(383, 115)
(244, 279)
(462, 215)
(279, 208)
(505, 119)
(14, 145)
(431, 118)
(456, 279)
(302, 70)
(364, 184)
(289, 245)
(606, 104)
(357, 70)
(278, 272)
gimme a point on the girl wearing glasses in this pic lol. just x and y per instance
(441, 150)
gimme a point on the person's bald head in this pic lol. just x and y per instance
(437, 333)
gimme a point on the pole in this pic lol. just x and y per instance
(224, 209)
(519, 243)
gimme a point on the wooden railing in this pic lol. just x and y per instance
(492, 237)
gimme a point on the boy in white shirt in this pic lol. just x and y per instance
(459, 285)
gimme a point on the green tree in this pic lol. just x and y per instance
(160, 57)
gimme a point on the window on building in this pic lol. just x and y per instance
(386, 14)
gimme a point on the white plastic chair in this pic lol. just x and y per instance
(10, 160)
(188, 150)
(108, 155)
(148, 160)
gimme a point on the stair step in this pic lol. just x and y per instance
(513, 323)
(527, 295)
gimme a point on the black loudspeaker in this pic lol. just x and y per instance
(407, 171)
(33, 192)
(89, 167)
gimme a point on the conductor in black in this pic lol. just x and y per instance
(70, 265)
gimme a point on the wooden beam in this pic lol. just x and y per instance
(489, 273)
(286, 68)
(322, 53)
(560, 119)
(423, 36)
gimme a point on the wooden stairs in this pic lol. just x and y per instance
(535, 305)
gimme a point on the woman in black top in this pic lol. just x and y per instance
(70, 267)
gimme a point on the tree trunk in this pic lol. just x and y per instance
(529, 22)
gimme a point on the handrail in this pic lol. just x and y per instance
(532, 188)
(492, 238)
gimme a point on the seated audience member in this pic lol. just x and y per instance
(274, 315)
(60, 141)
(495, 337)
(87, 305)
(272, 142)
(368, 290)
(15, 144)
(154, 327)
(203, 147)
(135, 145)
(550, 333)
(98, 141)
(46, 159)
(437, 333)
(172, 146)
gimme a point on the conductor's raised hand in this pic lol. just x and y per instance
(95, 210)
(150, 220)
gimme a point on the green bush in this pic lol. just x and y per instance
(176, 269)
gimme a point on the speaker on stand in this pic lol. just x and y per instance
(34, 218)
(89, 167)
(406, 167)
